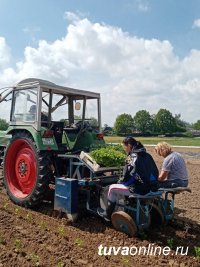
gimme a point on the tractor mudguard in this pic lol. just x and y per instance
(41, 143)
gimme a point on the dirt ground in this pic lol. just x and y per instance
(42, 238)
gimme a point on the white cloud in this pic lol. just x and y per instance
(196, 23)
(70, 16)
(73, 17)
(143, 6)
(31, 32)
(131, 73)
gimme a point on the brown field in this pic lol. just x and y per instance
(42, 238)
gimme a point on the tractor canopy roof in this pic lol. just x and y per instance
(47, 86)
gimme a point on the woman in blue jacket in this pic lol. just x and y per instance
(140, 175)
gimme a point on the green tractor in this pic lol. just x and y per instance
(46, 120)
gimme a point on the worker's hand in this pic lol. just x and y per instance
(119, 181)
(163, 175)
(132, 189)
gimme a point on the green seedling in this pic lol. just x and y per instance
(18, 245)
(60, 264)
(79, 242)
(2, 239)
(5, 206)
(17, 212)
(35, 259)
(61, 230)
(125, 261)
(43, 225)
(170, 242)
(197, 252)
(29, 217)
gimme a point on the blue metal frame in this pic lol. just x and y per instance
(64, 201)
(167, 206)
(142, 207)
(66, 195)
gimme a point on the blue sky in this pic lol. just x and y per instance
(145, 53)
(24, 22)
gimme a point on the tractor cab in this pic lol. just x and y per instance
(67, 119)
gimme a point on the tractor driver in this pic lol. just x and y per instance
(44, 117)
(139, 176)
(32, 109)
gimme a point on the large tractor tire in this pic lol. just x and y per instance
(26, 171)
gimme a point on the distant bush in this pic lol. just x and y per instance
(189, 134)
(3, 125)
(176, 134)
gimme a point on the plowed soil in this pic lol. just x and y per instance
(44, 238)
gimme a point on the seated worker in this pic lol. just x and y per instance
(32, 109)
(174, 171)
(140, 176)
(44, 117)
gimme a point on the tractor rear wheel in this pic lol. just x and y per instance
(26, 171)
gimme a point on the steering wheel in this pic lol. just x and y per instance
(86, 124)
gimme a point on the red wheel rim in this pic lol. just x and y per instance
(20, 168)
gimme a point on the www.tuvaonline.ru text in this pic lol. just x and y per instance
(142, 250)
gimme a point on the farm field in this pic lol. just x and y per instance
(176, 141)
(44, 238)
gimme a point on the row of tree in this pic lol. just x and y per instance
(144, 123)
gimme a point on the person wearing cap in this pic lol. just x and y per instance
(140, 176)
(32, 110)
(174, 171)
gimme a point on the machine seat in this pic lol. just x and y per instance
(149, 195)
(176, 190)
(57, 128)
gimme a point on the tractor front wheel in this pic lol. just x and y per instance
(26, 172)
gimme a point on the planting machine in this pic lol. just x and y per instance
(45, 144)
